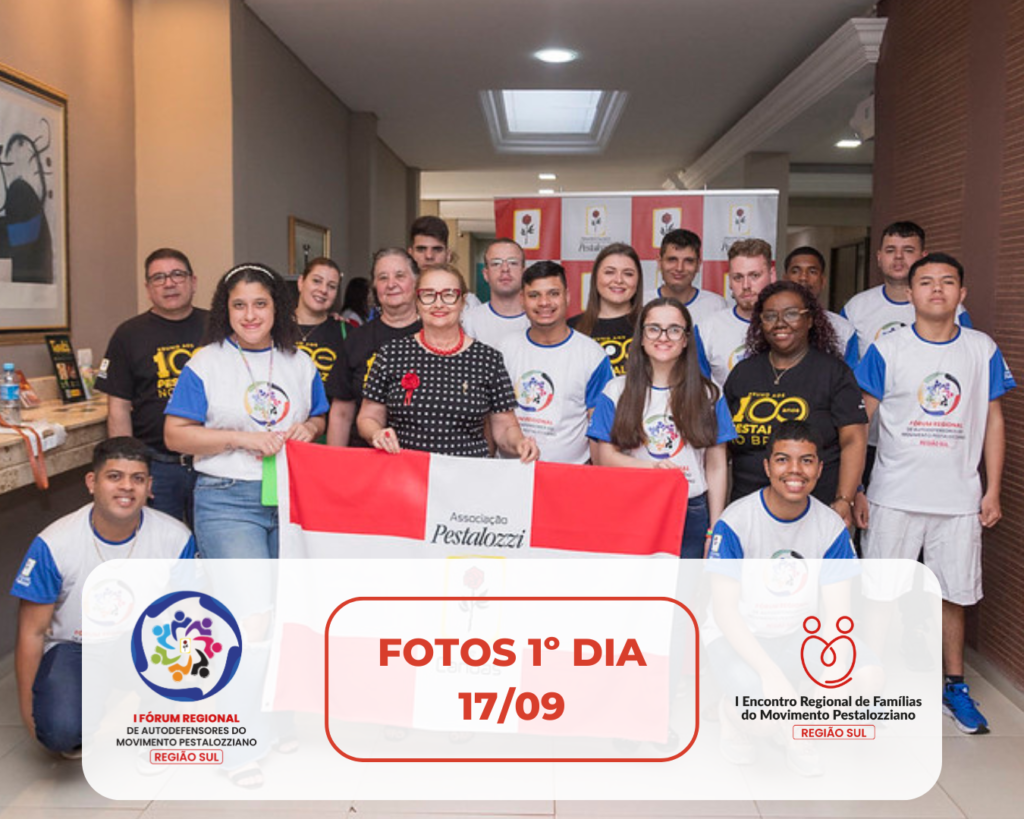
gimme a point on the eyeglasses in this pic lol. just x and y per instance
(652, 332)
(447, 296)
(513, 263)
(789, 315)
(176, 276)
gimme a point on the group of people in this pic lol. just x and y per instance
(670, 377)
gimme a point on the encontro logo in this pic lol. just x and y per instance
(186, 646)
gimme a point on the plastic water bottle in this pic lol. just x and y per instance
(10, 396)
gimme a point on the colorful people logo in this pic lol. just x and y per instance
(186, 646)
(888, 327)
(534, 391)
(267, 404)
(939, 394)
(737, 355)
(663, 439)
(785, 574)
(829, 654)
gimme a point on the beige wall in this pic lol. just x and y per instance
(85, 50)
(184, 135)
(391, 217)
(291, 145)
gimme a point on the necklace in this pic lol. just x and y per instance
(264, 404)
(779, 373)
(96, 540)
(439, 350)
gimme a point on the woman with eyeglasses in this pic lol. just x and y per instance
(237, 401)
(665, 415)
(432, 390)
(792, 372)
(614, 302)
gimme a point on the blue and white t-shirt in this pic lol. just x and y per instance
(847, 335)
(873, 315)
(556, 386)
(220, 392)
(724, 336)
(701, 306)
(664, 441)
(61, 557)
(932, 417)
(777, 596)
(484, 324)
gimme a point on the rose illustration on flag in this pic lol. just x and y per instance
(527, 228)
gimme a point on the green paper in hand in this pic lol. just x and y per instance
(269, 481)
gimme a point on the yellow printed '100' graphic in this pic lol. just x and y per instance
(323, 358)
(758, 411)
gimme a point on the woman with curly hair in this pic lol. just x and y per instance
(613, 306)
(793, 372)
(237, 401)
(666, 415)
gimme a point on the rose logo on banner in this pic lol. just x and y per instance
(665, 220)
(739, 220)
(829, 655)
(597, 220)
(527, 228)
(186, 646)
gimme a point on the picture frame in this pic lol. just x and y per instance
(306, 241)
(34, 283)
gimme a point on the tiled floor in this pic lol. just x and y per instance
(982, 778)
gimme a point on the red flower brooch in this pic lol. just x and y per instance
(410, 381)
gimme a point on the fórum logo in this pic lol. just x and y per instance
(534, 391)
(939, 394)
(186, 646)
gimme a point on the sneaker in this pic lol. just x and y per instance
(957, 703)
(733, 742)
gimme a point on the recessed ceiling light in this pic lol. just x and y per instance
(555, 55)
(547, 176)
(848, 143)
(546, 190)
(552, 121)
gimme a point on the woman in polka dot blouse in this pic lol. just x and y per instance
(432, 390)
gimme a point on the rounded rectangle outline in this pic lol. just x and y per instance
(218, 751)
(441, 599)
(874, 731)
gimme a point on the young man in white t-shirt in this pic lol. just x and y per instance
(503, 313)
(935, 387)
(678, 267)
(724, 334)
(805, 265)
(51, 586)
(558, 374)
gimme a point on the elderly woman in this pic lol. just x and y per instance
(394, 275)
(432, 390)
(792, 372)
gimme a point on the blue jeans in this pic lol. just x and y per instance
(57, 698)
(696, 528)
(230, 520)
(173, 485)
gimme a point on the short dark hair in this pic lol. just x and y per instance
(123, 447)
(681, 238)
(904, 230)
(793, 431)
(937, 258)
(432, 226)
(805, 250)
(544, 270)
(320, 261)
(166, 253)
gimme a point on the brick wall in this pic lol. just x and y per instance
(950, 155)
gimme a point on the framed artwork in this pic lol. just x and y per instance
(33, 208)
(305, 241)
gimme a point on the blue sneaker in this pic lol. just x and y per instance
(957, 703)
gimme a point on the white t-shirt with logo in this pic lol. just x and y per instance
(724, 335)
(932, 415)
(664, 441)
(61, 557)
(556, 386)
(484, 324)
(220, 392)
(775, 601)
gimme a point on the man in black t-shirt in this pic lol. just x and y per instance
(144, 358)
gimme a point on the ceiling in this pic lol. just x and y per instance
(693, 69)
